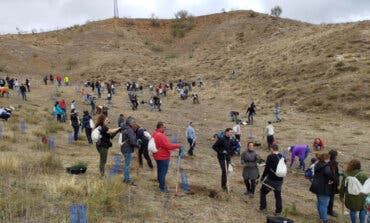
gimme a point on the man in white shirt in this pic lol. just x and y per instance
(270, 134)
(236, 130)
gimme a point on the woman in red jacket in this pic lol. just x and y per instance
(162, 157)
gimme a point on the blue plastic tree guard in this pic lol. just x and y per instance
(184, 182)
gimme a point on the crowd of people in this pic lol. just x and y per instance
(325, 176)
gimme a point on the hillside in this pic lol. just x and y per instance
(319, 74)
(317, 68)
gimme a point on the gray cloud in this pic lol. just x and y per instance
(51, 14)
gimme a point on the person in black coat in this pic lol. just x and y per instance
(335, 170)
(272, 181)
(223, 149)
(322, 185)
(143, 142)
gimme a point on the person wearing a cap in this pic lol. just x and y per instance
(301, 151)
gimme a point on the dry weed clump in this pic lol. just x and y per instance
(39, 146)
(53, 127)
(39, 132)
(49, 163)
(106, 196)
(9, 164)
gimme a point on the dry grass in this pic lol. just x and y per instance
(9, 164)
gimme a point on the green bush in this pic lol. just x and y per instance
(183, 23)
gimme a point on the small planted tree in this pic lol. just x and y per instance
(276, 11)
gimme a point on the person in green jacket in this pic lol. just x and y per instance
(354, 203)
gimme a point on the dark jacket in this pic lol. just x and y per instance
(74, 120)
(105, 138)
(249, 160)
(335, 170)
(223, 146)
(128, 139)
(141, 138)
(270, 168)
(322, 183)
(353, 202)
(86, 121)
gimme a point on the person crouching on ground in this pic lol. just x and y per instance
(302, 152)
(162, 157)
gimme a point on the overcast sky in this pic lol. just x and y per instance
(52, 14)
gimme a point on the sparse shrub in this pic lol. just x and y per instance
(156, 48)
(130, 22)
(39, 146)
(2, 68)
(154, 21)
(182, 24)
(223, 10)
(276, 11)
(39, 132)
(339, 64)
(50, 163)
(53, 127)
(34, 54)
(116, 44)
(252, 14)
(71, 62)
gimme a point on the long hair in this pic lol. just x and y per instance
(322, 157)
(100, 120)
(353, 165)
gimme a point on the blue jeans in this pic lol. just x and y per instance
(301, 161)
(126, 174)
(322, 206)
(361, 215)
(162, 168)
(277, 117)
(76, 128)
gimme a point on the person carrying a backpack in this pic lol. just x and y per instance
(272, 182)
(190, 135)
(249, 160)
(322, 185)
(301, 151)
(335, 169)
(104, 143)
(143, 147)
(223, 148)
(128, 144)
(87, 124)
(163, 155)
(355, 203)
(75, 123)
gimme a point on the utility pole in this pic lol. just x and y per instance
(116, 15)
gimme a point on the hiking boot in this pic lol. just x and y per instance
(333, 213)
(165, 190)
(246, 193)
(277, 214)
(263, 211)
